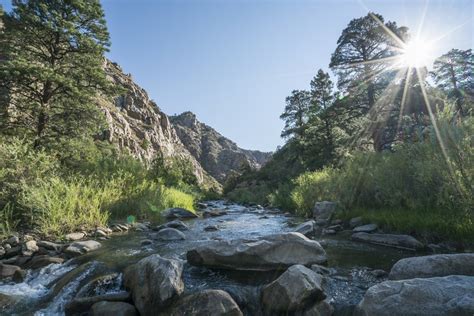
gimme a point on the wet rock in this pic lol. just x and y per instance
(7, 301)
(274, 252)
(321, 222)
(106, 308)
(42, 261)
(13, 251)
(100, 233)
(141, 227)
(102, 284)
(323, 308)
(177, 224)
(306, 228)
(206, 302)
(154, 282)
(433, 266)
(81, 247)
(74, 236)
(177, 212)
(336, 228)
(13, 241)
(324, 210)
(7, 270)
(169, 234)
(202, 205)
(82, 305)
(49, 245)
(294, 290)
(19, 276)
(450, 296)
(146, 242)
(390, 240)
(211, 228)
(378, 273)
(214, 213)
(369, 228)
(356, 221)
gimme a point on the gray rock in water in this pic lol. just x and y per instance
(433, 266)
(177, 224)
(206, 302)
(49, 245)
(177, 212)
(211, 228)
(154, 282)
(81, 247)
(106, 308)
(75, 236)
(7, 270)
(324, 210)
(169, 234)
(146, 242)
(274, 252)
(214, 213)
(306, 228)
(42, 261)
(369, 228)
(294, 290)
(447, 296)
(82, 305)
(391, 240)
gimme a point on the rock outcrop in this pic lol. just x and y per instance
(274, 252)
(218, 155)
(449, 296)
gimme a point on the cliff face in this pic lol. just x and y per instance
(137, 125)
(218, 155)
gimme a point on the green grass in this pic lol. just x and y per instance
(430, 225)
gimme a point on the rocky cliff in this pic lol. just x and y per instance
(137, 125)
(218, 155)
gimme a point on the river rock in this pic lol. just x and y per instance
(273, 252)
(391, 240)
(211, 228)
(178, 212)
(106, 308)
(13, 241)
(49, 245)
(82, 305)
(169, 234)
(154, 282)
(205, 302)
(100, 233)
(324, 210)
(433, 266)
(75, 236)
(214, 213)
(306, 228)
(19, 276)
(369, 228)
(356, 221)
(448, 296)
(293, 290)
(29, 248)
(7, 270)
(177, 224)
(146, 242)
(42, 261)
(81, 247)
(323, 308)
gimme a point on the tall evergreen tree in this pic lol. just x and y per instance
(296, 114)
(53, 68)
(361, 59)
(454, 73)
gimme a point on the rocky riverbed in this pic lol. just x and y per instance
(234, 260)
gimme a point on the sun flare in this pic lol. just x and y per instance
(416, 53)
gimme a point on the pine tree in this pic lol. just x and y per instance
(454, 73)
(296, 114)
(53, 68)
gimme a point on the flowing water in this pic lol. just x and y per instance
(46, 291)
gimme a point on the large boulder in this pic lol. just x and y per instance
(206, 302)
(178, 213)
(433, 266)
(448, 296)
(306, 228)
(324, 210)
(106, 308)
(294, 290)
(154, 282)
(169, 234)
(274, 252)
(81, 247)
(391, 240)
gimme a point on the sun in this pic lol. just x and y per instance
(416, 53)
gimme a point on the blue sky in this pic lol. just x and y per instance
(233, 62)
